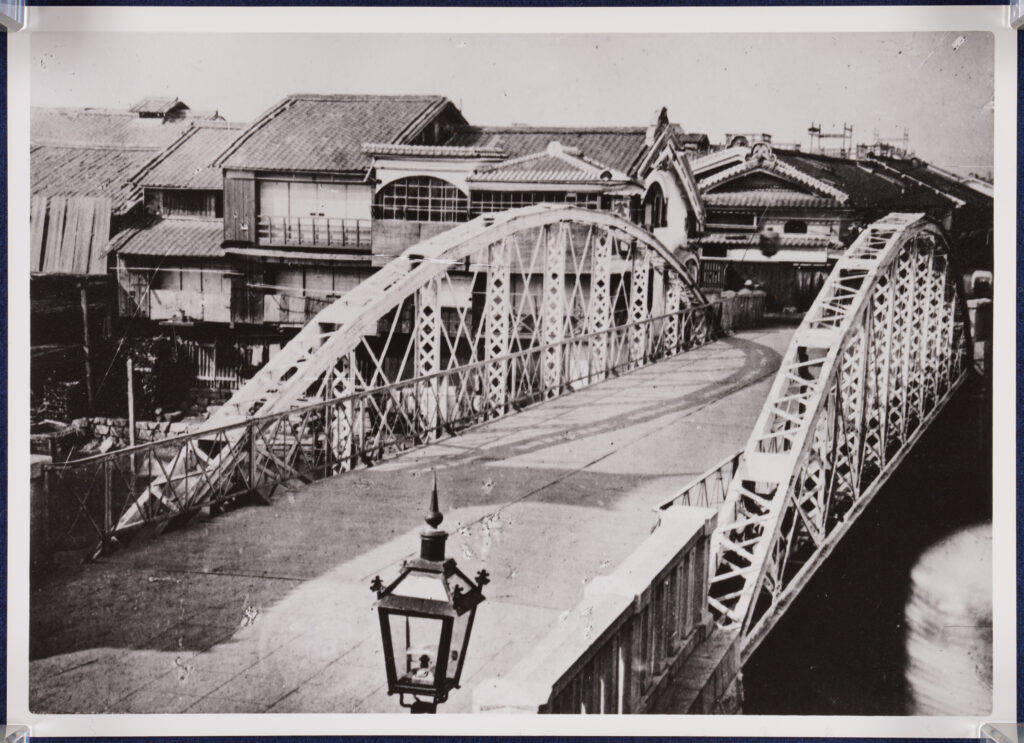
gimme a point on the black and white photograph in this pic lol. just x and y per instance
(551, 373)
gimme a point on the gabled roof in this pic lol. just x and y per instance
(157, 106)
(188, 161)
(680, 167)
(89, 127)
(718, 160)
(327, 132)
(88, 171)
(555, 164)
(617, 147)
(761, 159)
(864, 187)
(184, 237)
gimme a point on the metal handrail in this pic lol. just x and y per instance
(214, 465)
(299, 409)
(722, 473)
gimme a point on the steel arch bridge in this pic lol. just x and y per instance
(882, 349)
(497, 313)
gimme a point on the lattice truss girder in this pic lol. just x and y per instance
(875, 359)
(511, 306)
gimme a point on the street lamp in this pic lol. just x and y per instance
(426, 616)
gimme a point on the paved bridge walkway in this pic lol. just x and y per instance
(269, 609)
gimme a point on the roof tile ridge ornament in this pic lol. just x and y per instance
(658, 123)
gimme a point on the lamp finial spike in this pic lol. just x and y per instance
(434, 517)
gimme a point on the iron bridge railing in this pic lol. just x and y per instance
(88, 498)
(710, 489)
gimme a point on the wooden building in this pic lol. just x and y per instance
(320, 191)
(780, 218)
(83, 192)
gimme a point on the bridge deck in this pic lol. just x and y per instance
(269, 609)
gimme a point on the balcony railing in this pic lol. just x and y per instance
(314, 232)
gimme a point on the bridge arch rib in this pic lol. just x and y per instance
(880, 352)
(496, 313)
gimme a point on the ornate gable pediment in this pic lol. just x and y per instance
(761, 179)
(762, 166)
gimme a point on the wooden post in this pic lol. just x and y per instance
(131, 418)
(131, 406)
(108, 516)
(84, 296)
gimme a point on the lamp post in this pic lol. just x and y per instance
(426, 617)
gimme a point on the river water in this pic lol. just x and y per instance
(839, 650)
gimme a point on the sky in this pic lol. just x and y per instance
(937, 85)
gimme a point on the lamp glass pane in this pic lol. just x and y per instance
(422, 586)
(415, 643)
(457, 646)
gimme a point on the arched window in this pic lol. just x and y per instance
(655, 208)
(421, 199)
(795, 227)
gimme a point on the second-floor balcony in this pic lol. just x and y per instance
(314, 232)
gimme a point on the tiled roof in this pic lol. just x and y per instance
(104, 127)
(768, 162)
(88, 171)
(156, 105)
(864, 188)
(182, 237)
(768, 198)
(918, 171)
(555, 164)
(754, 239)
(326, 132)
(617, 147)
(188, 162)
(420, 150)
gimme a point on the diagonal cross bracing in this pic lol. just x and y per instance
(877, 356)
(496, 313)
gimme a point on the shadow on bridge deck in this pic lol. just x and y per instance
(268, 609)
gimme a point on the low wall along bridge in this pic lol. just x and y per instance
(511, 312)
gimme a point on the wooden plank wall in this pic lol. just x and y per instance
(37, 227)
(239, 209)
(69, 234)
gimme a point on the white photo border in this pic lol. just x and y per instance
(992, 18)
